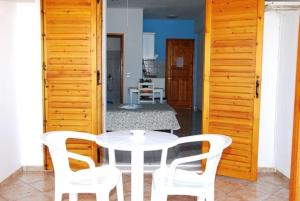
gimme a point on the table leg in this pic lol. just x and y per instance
(137, 175)
(161, 96)
(112, 162)
(112, 157)
(130, 94)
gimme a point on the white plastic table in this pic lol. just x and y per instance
(124, 141)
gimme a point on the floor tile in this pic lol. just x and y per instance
(17, 191)
(266, 188)
(249, 195)
(283, 194)
(32, 177)
(44, 185)
(275, 198)
(40, 187)
(227, 186)
(36, 197)
(2, 199)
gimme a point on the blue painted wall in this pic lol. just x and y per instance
(163, 29)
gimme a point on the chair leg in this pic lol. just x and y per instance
(158, 195)
(120, 193)
(200, 199)
(102, 196)
(210, 194)
(57, 196)
(153, 193)
(210, 197)
(73, 196)
(163, 197)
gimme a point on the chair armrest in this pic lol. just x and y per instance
(183, 160)
(180, 140)
(192, 138)
(73, 134)
(72, 155)
(83, 136)
(79, 157)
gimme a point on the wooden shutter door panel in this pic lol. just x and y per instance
(233, 43)
(70, 71)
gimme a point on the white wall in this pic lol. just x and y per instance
(133, 48)
(278, 88)
(10, 158)
(29, 81)
(268, 90)
(21, 86)
(289, 22)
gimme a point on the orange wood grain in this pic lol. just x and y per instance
(295, 162)
(72, 98)
(233, 44)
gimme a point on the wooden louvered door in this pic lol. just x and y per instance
(233, 51)
(72, 98)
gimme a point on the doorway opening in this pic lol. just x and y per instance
(147, 64)
(114, 60)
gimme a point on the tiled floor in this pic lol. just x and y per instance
(39, 186)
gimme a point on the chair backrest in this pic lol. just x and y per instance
(146, 86)
(146, 92)
(56, 142)
(217, 143)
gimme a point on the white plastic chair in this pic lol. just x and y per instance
(174, 181)
(98, 180)
(146, 92)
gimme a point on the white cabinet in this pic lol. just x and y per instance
(148, 45)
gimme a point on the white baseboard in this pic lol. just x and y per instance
(33, 168)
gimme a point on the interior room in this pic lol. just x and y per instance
(144, 61)
(54, 76)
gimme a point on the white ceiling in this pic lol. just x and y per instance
(160, 9)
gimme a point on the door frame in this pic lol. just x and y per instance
(166, 66)
(295, 160)
(121, 36)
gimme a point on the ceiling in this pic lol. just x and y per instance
(161, 9)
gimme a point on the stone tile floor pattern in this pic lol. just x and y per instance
(39, 186)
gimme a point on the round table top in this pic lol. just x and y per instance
(124, 140)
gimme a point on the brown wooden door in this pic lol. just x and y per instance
(179, 72)
(72, 98)
(233, 51)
